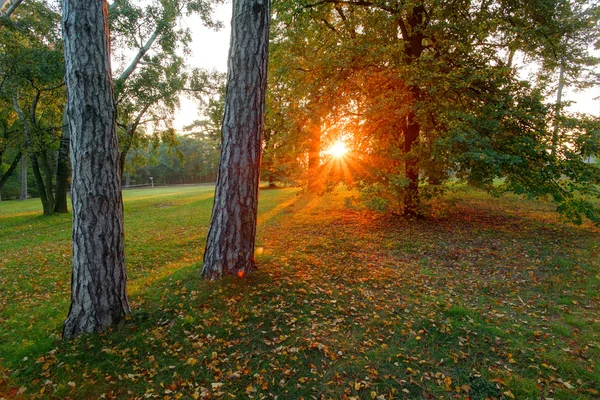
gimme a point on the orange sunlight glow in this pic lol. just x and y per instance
(338, 149)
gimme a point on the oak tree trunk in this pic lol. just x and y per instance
(412, 32)
(411, 167)
(98, 292)
(230, 242)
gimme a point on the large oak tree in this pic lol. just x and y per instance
(435, 91)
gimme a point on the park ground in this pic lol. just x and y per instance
(484, 298)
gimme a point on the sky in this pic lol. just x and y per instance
(209, 50)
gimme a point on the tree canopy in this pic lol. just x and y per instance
(429, 91)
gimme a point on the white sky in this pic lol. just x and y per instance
(585, 101)
(209, 51)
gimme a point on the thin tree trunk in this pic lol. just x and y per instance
(98, 284)
(27, 131)
(561, 84)
(231, 237)
(411, 168)
(49, 175)
(314, 155)
(23, 177)
(39, 180)
(62, 168)
(10, 170)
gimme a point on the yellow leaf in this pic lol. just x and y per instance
(568, 385)
(191, 361)
(508, 393)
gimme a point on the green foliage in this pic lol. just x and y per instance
(190, 159)
(148, 86)
(377, 70)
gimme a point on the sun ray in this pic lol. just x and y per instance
(338, 149)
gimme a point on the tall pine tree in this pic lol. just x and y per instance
(230, 242)
(98, 285)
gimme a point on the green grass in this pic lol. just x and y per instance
(487, 298)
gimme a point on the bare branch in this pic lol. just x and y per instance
(136, 60)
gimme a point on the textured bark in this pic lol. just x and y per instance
(62, 168)
(98, 283)
(230, 242)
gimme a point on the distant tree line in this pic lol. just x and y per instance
(192, 159)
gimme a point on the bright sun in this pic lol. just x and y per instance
(338, 149)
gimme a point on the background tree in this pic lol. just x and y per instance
(31, 65)
(435, 92)
(148, 85)
(152, 74)
(98, 288)
(305, 96)
(230, 241)
(193, 159)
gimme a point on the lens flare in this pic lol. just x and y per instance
(338, 149)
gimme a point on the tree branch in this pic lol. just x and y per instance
(11, 169)
(361, 3)
(11, 8)
(136, 60)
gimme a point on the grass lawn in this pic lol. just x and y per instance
(485, 298)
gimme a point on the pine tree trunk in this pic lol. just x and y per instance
(62, 169)
(98, 283)
(230, 242)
